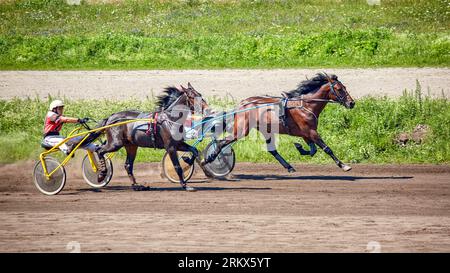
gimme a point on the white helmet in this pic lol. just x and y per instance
(55, 103)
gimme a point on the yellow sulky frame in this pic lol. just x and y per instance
(74, 134)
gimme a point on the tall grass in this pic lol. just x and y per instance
(49, 34)
(364, 134)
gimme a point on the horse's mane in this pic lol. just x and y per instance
(169, 95)
(310, 85)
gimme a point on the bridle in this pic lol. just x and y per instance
(339, 99)
(188, 103)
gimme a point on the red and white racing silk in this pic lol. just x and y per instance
(53, 124)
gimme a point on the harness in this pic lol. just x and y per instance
(149, 127)
(282, 114)
(285, 100)
(301, 107)
(149, 132)
(173, 126)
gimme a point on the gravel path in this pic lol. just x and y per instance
(236, 83)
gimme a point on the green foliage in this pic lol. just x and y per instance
(50, 34)
(377, 47)
(364, 134)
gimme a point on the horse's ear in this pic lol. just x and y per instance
(326, 75)
(190, 86)
(182, 88)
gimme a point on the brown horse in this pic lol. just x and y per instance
(166, 132)
(296, 113)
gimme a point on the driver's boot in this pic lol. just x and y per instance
(71, 144)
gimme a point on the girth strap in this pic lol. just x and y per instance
(282, 110)
(152, 133)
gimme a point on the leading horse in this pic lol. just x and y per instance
(165, 131)
(297, 115)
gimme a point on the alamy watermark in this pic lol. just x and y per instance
(73, 247)
(373, 247)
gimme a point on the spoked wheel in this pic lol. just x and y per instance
(55, 183)
(90, 176)
(222, 165)
(169, 170)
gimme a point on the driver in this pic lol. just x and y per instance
(54, 121)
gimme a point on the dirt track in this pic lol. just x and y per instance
(319, 208)
(237, 83)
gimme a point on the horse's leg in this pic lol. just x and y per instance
(273, 151)
(109, 147)
(318, 140)
(184, 147)
(220, 145)
(129, 162)
(176, 164)
(312, 147)
(241, 129)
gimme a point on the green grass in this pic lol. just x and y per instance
(49, 34)
(362, 135)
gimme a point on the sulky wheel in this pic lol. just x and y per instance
(222, 165)
(169, 170)
(90, 176)
(55, 183)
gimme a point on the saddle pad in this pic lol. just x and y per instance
(142, 125)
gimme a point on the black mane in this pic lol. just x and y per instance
(170, 94)
(310, 85)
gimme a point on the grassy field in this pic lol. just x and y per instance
(364, 134)
(49, 34)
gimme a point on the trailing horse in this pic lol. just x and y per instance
(296, 113)
(164, 132)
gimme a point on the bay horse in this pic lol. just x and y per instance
(165, 132)
(298, 115)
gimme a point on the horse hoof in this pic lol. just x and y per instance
(190, 189)
(346, 168)
(188, 160)
(291, 170)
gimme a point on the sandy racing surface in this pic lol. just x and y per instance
(319, 208)
(236, 83)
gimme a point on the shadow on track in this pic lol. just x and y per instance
(241, 177)
(315, 177)
(130, 189)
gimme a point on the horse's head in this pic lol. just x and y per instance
(195, 100)
(338, 92)
(323, 87)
